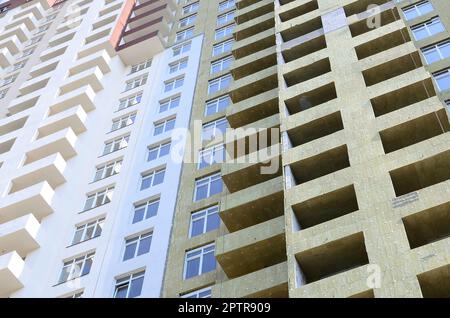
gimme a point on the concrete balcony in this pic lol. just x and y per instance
(35, 9)
(254, 63)
(43, 68)
(254, 10)
(11, 267)
(253, 205)
(34, 84)
(74, 118)
(270, 282)
(83, 96)
(12, 44)
(249, 170)
(295, 9)
(19, 235)
(253, 248)
(96, 46)
(20, 32)
(253, 44)
(260, 82)
(29, 20)
(53, 52)
(254, 26)
(91, 77)
(62, 141)
(99, 59)
(6, 58)
(23, 102)
(253, 109)
(36, 199)
(49, 169)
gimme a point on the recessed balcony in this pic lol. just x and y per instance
(435, 283)
(74, 118)
(302, 29)
(91, 77)
(83, 96)
(6, 58)
(312, 98)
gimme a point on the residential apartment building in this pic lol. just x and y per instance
(335, 183)
(359, 206)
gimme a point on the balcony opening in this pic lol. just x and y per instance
(298, 11)
(392, 69)
(414, 131)
(257, 27)
(301, 29)
(245, 3)
(304, 49)
(383, 43)
(363, 26)
(428, 226)
(253, 88)
(6, 146)
(321, 164)
(13, 126)
(360, 6)
(402, 97)
(255, 13)
(253, 206)
(307, 72)
(316, 129)
(254, 46)
(421, 174)
(255, 65)
(326, 207)
(436, 282)
(311, 99)
(332, 258)
(279, 291)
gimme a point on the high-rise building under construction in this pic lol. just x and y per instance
(224, 148)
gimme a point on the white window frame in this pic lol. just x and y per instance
(151, 175)
(203, 251)
(213, 127)
(116, 144)
(136, 82)
(198, 293)
(157, 148)
(224, 31)
(227, 4)
(141, 66)
(130, 101)
(184, 22)
(96, 226)
(426, 26)
(190, 8)
(203, 215)
(164, 125)
(225, 18)
(441, 74)
(210, 155)
(207, 180)
(436, 48)
(184, 34)
(98, 198)
(169, 103)
(146, 213)
(172, 84)
(181, 49)
(127, 281)
(124, 121)
(73, 265)
(216, 102)
(178, 65)
(222, 82)
(138, 240)
(107, 170)
(223, 64)
(417, 9)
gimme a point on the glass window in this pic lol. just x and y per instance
(217, 105)
(223, 32)
(173, 84)
(442, 80)
(88, 231)
(129, 286)
(221, 65)
(224, 5)
(145, 210)
(181, 49)
(178, 66)
(98, 198)
(204, 221)
(199, 261)
(130, 101)
(158, 151)
(170, 103)
(208, 186)
(141, 66)
(223, 47)
(152, 178)
(116, 144)
(137, 246)
(76, 267)
(164, 126)
(107, 170)
(213, 129)
(427, 29)
(122, 122)
(417, 10)
(436, 52)
(201, 293)
(210, 156)
(218, 84)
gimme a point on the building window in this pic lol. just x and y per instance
(158, 151)
(188, 21)
(145, 211)
(107, 170)
(204, 221)
(28, 52)
(137, 246)
(98, 198)
(225, 18)
(436, 52)
(43, 28)
(3, 93)
(9, 79)
(224, 5)
(178, 66)
(210, 156)
(116, 144)
(223, 32)
(214, 128)
(141, 66)
(181, 49)
(442, 80)
(164, 126)
(129, 286)
(427, 29)
(124, 121)
(130, 101)
(88, 231)
(223, 47)
(191, 8)
(35, 40)
(221, 65)
(76, 267)
(201, 293)
(218, 84)
(18, 65)
(173, 84)
(185, 34)
(136, 82)
(199, 261)
(208, 186)
(417, 10)
(153, 178)
(217, 105)
(170, 103)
